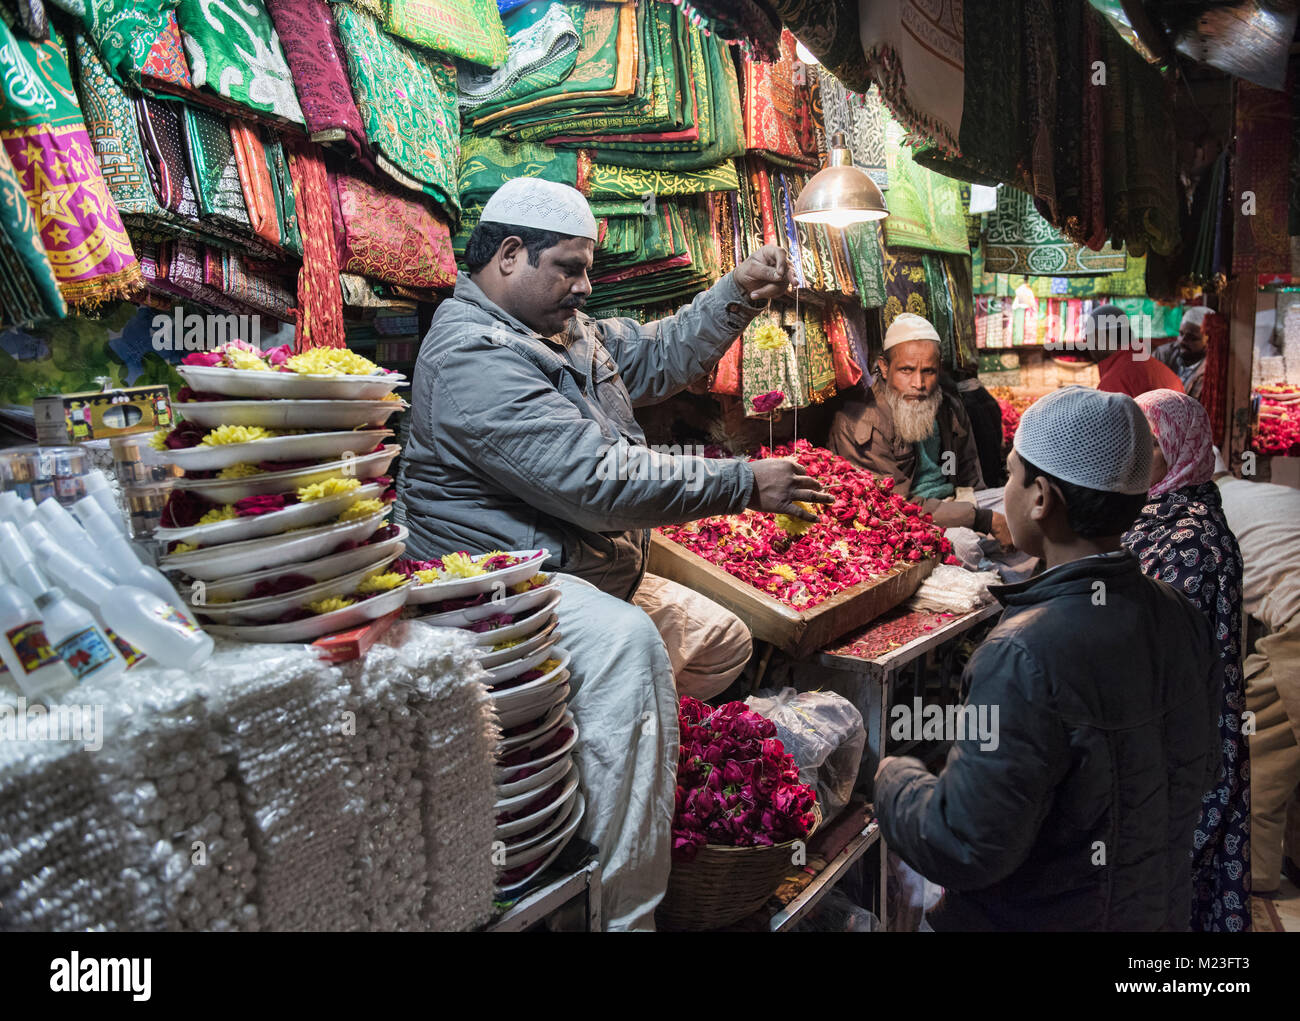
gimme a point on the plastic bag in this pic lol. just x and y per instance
(837, 913)
(825, 735)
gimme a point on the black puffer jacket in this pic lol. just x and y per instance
(1082, 817)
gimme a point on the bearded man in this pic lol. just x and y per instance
(1186, 355)
(918, 434)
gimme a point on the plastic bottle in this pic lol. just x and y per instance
(70, 535)
(14, 508)
(97, 486)
(153, 625)
(33, 663)
(71, 629)
(114, 547)
(39, 541)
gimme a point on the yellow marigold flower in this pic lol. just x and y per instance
(509, 643)
(239, 358)
(332, 486)
(536, 581)
(361, 509)
(784, 571)
(549, 665)
(226, 513)
(858, 526)
(381, 582)
(243, 470)
(391, 396)
(224, 434)
(331, 361)
(427, 577)
(159, 439)
(184, 547)
(329, 605)
(460, 565)
(796, 526)
(770, 337)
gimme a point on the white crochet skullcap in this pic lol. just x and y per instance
(909, 326)
(542, 205)
(1195, 316)
(1088, 437)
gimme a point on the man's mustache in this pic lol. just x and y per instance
(574, 303)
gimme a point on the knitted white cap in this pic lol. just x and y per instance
(909, 326)
(1088, 437)
(1195, 316)
(542, 205)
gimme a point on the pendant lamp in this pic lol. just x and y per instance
(842, 194)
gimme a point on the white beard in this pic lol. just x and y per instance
(913, 420)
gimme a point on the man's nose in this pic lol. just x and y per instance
(582, 287)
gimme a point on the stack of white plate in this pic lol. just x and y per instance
(539, 803)
(250, 572)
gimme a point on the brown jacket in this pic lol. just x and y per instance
(863, 433)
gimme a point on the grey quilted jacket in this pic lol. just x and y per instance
(518, 441)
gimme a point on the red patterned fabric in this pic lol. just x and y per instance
(777, 111)
(389, 234)
(318, 320)
(315, 56)
(255, 180)
(166, 61)
(1214, 384)
(726, 377)
(847, 371)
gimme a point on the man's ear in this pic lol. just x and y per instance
(1043, 499)
(508, 255)
(883, 366)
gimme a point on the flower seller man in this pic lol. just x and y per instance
(522, 437)
(909, 428)
(1080, 815)
(1186, 355)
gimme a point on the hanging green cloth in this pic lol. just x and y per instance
(407, 100)
(925, 209)
(469, 29)
(1018, 240)
(124, 31)
(28, 289)
(234, 51)
(541, 54)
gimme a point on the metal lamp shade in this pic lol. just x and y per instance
(840, 195)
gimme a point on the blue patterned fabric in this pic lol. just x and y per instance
(1183, 538)
(509, 5)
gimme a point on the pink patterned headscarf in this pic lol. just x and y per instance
(1182, 428)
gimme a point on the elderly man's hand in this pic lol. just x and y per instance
(764, 275)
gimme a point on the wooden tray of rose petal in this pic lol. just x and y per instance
(797, 632)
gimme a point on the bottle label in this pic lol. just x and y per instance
(170, 615)
(129, 652)
(85, 652)
(32, 647)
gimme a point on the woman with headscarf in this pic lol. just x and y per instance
(1182, 538)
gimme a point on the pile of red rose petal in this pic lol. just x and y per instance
(865, 533)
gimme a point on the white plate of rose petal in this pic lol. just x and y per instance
(290, 414)
(255, 526)
(518, 627)
(513, 605)
(310, 628)
(268, 608)
(291, 385)
(272, 551)
(238, 587)
(539, 725)
(551, 847)
(311, 446)
(363, 466)
(512, 670)
(535, 703)
(461, 588)
(544, 639)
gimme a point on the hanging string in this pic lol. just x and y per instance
(797, 322)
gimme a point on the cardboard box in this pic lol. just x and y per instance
(74, 418)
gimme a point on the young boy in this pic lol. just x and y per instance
(1107, 690)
